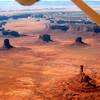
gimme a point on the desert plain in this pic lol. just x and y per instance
(35, 70)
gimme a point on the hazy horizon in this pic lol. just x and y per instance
(4, 4)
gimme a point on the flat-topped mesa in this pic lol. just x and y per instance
(7, 44)
(45, 38)
(11, 33)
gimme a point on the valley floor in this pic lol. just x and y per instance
(32, 68)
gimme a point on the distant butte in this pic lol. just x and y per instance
(45, 38)
(79, 42)
(7, 44)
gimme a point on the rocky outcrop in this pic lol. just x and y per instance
(45, 38)
(11, 33)
(60, 27)
(96, 29)
(79, 42)
(7, 44)
(82, 82)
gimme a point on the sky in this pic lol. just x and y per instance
(9, 4)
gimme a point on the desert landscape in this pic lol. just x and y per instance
(39, 70)
(49, 53)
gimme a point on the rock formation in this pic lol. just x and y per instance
(45, 38)
(85, 79)
(7, 44)
(82, 82)
(96, 29)
(11, 33)
(79, 42)
(59, 27)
